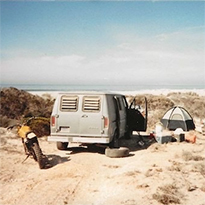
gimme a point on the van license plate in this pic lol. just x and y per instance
(65, 129)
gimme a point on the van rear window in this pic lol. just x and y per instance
(69, 103)
(91, 104)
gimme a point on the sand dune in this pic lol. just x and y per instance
(172, 173)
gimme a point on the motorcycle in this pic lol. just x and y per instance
(30, 142)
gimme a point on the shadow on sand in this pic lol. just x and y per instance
(53, 160)
(92, 148)
(135, 143)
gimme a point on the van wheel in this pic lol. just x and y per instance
(117, 152)
(62, 145)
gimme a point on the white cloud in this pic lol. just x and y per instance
(40, 69)
(61, 61)
(176, 58)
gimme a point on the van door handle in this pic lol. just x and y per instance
(84, 116)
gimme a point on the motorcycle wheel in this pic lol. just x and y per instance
(38, 155)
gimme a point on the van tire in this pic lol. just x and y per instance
(117, 152)
(62, 145)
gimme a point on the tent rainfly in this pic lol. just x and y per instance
(178, 117)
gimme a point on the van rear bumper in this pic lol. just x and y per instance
(103, 140)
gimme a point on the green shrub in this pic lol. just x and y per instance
(40, 126)
(17, 104)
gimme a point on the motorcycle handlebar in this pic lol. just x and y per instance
(12, 126)
(27, 121)
(20, 125)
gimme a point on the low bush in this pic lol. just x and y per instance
(168, 194)
(40, 126)
(187, 156)
(17, 105)
(166, 198)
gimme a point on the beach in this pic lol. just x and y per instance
(200, 92)
(170, 173)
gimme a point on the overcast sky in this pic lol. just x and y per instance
(139, 43)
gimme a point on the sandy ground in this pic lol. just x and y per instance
(155, 174)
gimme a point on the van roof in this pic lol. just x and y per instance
(89, 93)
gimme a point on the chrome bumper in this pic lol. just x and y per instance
(103, 140)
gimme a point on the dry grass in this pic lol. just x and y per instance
(166, 198)
(176, 166)
(168, 194)
(112, 166)
(149, 173)
(199, 167)
(159, 104)
(133, 173)
(32, 105)
(203, 187)
(156, 147)
(187, 156)
(190, 101)
(16, 104)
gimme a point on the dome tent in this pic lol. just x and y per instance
(178, 117)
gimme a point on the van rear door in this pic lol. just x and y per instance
(91, 120)
(68, 119)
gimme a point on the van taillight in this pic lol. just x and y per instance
(106, 122)
(53, 121)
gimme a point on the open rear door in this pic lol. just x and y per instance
(137, 117)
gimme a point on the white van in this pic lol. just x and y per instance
(92, 117)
